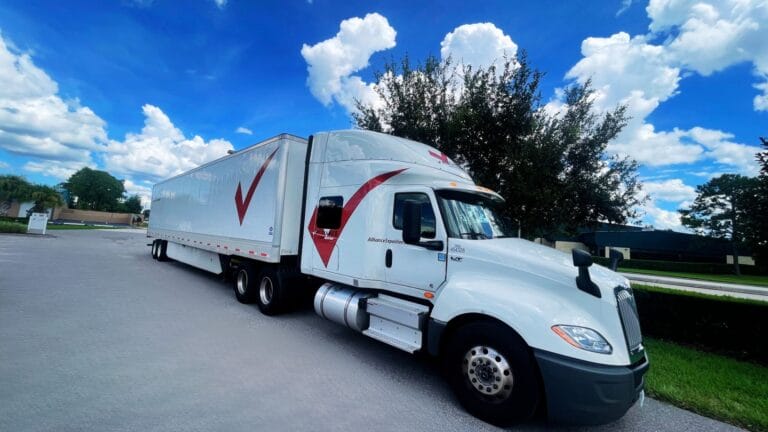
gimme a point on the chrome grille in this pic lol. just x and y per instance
(629, 319)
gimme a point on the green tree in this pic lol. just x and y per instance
(14, 187)
(552, 169)
(133, 204)
(44, 197)
(756, 228)
(95, 190)
(721, 209)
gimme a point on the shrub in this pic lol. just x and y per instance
(728, 326)
(12, 227)
(679, 267)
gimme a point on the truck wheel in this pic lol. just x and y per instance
(492, 373)
(162, 248)
(270, 291)
(245, 284)
(155, 248)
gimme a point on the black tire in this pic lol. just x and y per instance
(162, 251)
(270, 292)
(155, 247)
(245, 283)
(490, 349)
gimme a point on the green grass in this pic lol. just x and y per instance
(743, 279)
(76, 227)
(709, 384)
(12, 227)
(723, 298)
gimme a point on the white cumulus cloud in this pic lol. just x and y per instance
(672, 190)
(244, 131)
(709, 36)
(642, 75)
(629, 71)
(332, 62)
(160, 150)
(60, 170)
(35, 120)
(479, 45)
(760, 102)
(664, 219)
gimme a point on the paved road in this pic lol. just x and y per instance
(705, 287)
(94, 335)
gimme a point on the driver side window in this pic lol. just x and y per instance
(428, 224)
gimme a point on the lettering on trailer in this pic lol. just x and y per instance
(325, 239)
(242, 204)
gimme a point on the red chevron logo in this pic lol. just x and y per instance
(242, 204)
(324, 243)
(441, 157)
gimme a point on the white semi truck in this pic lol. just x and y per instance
(406, 249)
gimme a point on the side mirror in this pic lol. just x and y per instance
(581, 258)
(411, 222)
(616, 258)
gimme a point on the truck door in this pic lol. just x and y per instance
(410, 265)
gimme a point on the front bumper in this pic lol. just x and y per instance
(579, 392)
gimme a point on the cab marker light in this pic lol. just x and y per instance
(583, 338)
(429, 295)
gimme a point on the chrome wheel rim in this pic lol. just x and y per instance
(488, 372)
(266, 290)
(242, 282)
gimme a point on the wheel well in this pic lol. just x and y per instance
(462, 320)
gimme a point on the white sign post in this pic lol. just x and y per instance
(37, 223)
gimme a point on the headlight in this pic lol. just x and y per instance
(583, 338)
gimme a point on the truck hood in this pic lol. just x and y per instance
(532, 261)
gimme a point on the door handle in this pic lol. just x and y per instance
(388, 258)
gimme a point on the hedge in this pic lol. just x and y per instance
(12, 227)
(22, 220)
(726, 326)
(680, 267)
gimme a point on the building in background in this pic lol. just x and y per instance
(649, 244)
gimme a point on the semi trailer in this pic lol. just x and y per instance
(402, 246)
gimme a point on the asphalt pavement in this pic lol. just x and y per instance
(95, 335)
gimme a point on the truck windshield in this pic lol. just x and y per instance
(472, 216)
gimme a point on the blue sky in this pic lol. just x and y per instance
(145, 89)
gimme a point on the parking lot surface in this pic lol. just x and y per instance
(95, 335)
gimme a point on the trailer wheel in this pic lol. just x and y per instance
(492, 373)
(270, 296)
(245, 284)
(155, 248)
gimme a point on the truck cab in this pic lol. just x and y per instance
(400, 230)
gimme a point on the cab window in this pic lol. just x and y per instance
(427, 214)
(329, 212)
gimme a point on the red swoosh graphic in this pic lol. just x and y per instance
(440, 156)
(242, 204)
(325, 244)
